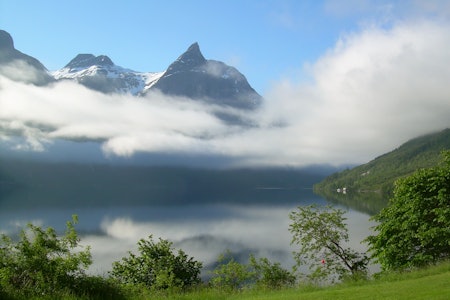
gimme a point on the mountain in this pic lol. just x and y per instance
(31, 69)
(101, 74)
(191, 75)
(379, 174)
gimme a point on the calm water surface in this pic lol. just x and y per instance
(203, 229)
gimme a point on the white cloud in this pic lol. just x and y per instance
(373, 91)
(20, 70)
(69, 111)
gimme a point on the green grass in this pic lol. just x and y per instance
(430, 287)
(427, 283)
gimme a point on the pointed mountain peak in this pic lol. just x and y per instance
(193, 53)
(88, 60)
(191, 58)
(194, 48)
(6, 41)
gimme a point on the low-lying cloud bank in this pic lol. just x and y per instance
(374, 90)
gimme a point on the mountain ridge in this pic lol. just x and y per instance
(379, 175)
(212, 81)
(101, 74)
(191, 75)
(11, 58)
(87, 60)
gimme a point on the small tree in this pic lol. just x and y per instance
(320, 234)
(414, 229)
(41, 262)
(157, 266)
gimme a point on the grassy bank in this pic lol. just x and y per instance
(428, 283)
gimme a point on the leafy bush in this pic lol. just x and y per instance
(97, 287)
(230, 274)
(321, 235)
(414, 230)
(271, 275)
(40, 262)
(157, 267)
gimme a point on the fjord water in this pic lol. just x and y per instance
(203, 211)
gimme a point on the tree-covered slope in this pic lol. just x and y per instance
(379, 174)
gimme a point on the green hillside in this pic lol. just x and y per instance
(367, 187)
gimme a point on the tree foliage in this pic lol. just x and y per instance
(321, 235)
(230, 274)
(157, 266)
(271, 275)
(414, 229)
(40, 262)
(259, 272)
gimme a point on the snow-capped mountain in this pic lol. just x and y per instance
(193, 76)
(101, 74)
(190, 75)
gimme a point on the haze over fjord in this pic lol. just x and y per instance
(377, 87)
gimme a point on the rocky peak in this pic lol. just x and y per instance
(192, 76)
(88, 60)
(31, 69)
(188, 60)
(6, 41)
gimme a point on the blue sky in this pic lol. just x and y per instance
(265, 40)
(349, 80)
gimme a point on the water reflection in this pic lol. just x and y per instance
(204, 212)
(201, 230)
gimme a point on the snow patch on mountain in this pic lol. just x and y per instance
(125, 81)
(190, 75)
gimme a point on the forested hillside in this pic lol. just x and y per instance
(374, 180)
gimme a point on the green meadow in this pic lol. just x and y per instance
(425, 283)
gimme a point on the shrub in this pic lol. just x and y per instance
(157, 267)
(271, 275)
(230, 274)
(40, 262)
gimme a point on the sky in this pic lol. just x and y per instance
(265, 40)
(343, 81)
